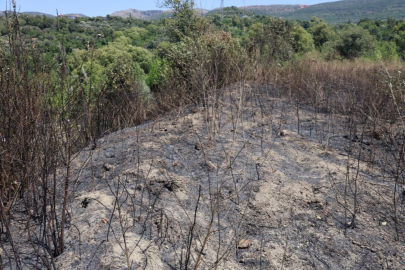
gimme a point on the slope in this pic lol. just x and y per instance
(233, 185)
(137, 14)
(353, 10)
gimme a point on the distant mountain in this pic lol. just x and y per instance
(201, 11)
(272, 10)
(230, 11)
(34, 13)
(73, 15)
(353, 10)
(138, 14)
(150, 14)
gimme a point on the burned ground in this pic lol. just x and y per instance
(237, 184)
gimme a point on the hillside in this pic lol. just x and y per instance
(230, 11)
(149, 14)
(33, 13)
(273, 10)
(273, 192)
(354, 10)
(138, 14)
(74, 15)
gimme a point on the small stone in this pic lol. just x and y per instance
(108, 167)
(175, 163)
(244, 244)
(198, 146)
(283, 132)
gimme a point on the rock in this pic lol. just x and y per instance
(283, 132)
(244, 244)
(108, 167)
(198, 146)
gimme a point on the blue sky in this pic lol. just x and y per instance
(104, 7)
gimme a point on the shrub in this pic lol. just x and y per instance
(209, 62)
(303, 40)
(355, 41)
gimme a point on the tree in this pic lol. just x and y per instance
(355, 41)
(185, 22)
(321, 33)
(303, 40)
(399, 31)
(271, 39)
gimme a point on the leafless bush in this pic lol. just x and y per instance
(45, 119)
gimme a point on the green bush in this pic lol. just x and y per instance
(271, 40)
(355, 41)
(158, 73)
(209, 62)
(303, 40)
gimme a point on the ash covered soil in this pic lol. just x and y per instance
(232, 185)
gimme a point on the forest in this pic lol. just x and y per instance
(66, 83)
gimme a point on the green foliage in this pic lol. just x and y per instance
(321, 32)
(271, 40)
(119, 63)
(158, 73)
(83, 32)
(351, 10)
(201, 64)
(387, 51)
(355, 41)
(303, 40)
(399, 31)
(184, 22)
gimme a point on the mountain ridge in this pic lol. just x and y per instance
(331, 12)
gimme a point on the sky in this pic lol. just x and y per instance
(104, 7)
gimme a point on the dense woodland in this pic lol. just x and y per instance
(65, 83)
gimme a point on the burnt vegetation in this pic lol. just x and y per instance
(66, 85)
